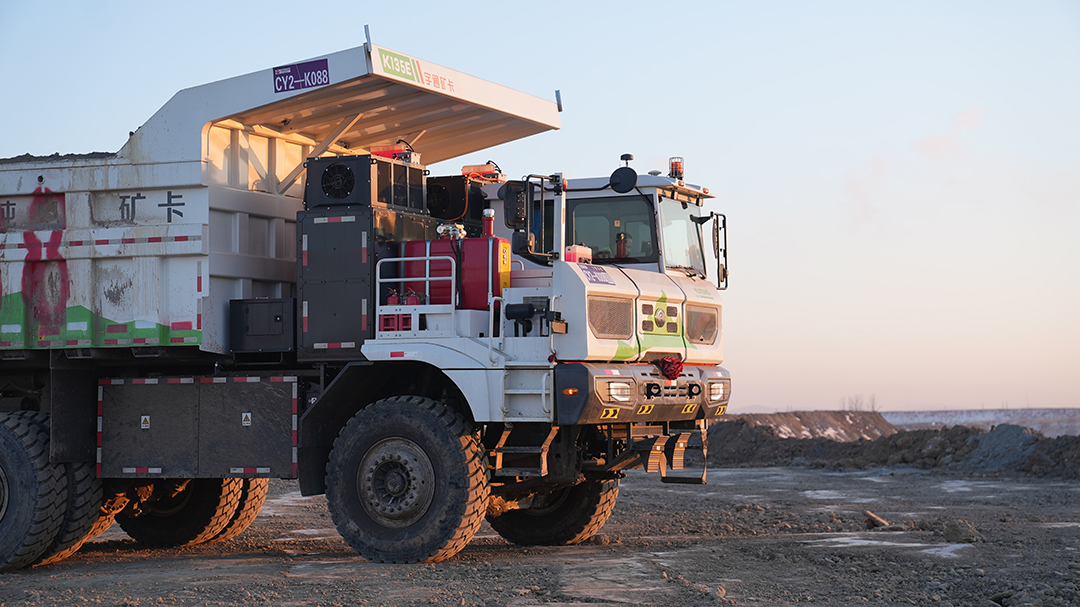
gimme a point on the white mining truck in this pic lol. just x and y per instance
(186, 318)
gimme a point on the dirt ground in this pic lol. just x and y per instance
(751, 536)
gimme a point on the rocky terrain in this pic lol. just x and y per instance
(957, 517)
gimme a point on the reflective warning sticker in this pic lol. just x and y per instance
(609, 413)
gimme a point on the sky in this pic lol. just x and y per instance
(901, 178)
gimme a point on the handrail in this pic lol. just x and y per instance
(426, 279)
(491, 324)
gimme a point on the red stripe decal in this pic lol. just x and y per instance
(397, 355)
(75, 243)
(71, 342)
(154, 239)
(198, 322)
(180, 239)
(294, 406)
(99, 470)
(198, 284)
(206, 380)
(181, 326)
(294, 437)
(176, 340)
(305, 257)
(104, 382)
(174, 380)
(112, 342)
(99, 242)
(127, 241)
(116, 328)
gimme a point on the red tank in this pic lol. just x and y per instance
(477, 259)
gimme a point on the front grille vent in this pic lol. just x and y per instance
(611, 317)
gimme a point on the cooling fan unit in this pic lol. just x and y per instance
(338, 181)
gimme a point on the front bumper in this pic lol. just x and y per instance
(599, 393)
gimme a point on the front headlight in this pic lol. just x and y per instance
(616, 391)
(620, 391)
(719, 391)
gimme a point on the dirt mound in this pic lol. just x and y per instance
(1008, 448)
(842, 426)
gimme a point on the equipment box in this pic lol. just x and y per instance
(262, 325)
(197, 427)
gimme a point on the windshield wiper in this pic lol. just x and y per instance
(692, 271)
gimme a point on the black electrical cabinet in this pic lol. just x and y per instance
(334, 181)
(336, 291)
(335, 287)
(262, 325)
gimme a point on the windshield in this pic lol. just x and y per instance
(618, 229)
(681, 236)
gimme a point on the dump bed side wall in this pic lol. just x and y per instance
(133, 267)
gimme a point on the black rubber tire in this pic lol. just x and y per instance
(110, 507)
(252, 496)
(407, 481)
(196, 515)
(33, 492)
(83, 506)
(568, 516)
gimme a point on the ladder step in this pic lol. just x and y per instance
(519, 472)
(527, 449)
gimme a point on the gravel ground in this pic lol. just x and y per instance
(751, 536)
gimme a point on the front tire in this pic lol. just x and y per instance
(561, 517)
(406, 481)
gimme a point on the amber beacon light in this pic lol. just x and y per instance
(675, 167)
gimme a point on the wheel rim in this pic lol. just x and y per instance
(395, 482)
(3, 494)
(169, 506)
(548, 502)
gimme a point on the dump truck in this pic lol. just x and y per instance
(266, 283)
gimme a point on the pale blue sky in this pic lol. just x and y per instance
(902, 179)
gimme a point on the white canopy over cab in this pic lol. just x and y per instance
(348, 102)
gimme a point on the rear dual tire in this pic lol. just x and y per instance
(33, 492)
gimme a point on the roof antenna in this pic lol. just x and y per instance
(367, 35)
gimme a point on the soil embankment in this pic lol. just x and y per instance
(779, 440)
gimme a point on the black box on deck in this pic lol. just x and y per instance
(262, 325)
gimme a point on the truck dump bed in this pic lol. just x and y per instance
(147, 246)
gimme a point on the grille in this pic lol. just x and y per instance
(701, 324)
(611, 318)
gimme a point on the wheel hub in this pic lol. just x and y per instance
(395, 482)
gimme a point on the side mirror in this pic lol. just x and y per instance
(523, 243)
(720, 250)
(623, 179)
(515, 196)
